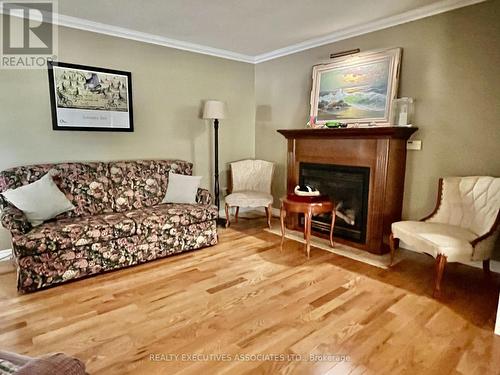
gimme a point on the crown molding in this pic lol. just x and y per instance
(412, 15)
(121, 32)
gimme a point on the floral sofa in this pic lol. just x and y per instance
(118, 221)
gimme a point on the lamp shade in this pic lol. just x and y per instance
(214, 109)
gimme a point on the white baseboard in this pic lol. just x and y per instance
(5, 254)
(494, 264)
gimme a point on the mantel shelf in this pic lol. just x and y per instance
(395, 132)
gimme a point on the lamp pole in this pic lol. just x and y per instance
(216, 110)
(216, 168)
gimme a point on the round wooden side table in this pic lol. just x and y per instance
(308, 206)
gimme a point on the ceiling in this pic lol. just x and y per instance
(247, 30)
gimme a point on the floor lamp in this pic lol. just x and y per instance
(215, 110)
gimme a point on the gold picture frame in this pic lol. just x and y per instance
(357, 88)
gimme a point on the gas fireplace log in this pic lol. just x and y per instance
(340, 214)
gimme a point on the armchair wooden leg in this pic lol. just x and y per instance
(393, 244)
(486, 268)
(227, 216)
(440, 265)
(236, 214)
(268, 215)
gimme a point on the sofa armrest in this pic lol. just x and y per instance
(203, 196)
(14, 220)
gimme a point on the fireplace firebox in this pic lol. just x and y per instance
(347, 187)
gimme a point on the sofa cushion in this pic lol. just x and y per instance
(50, 268)
(86, 185)
(143, 183)
(154, 221)
(182, 188)
(73, 232)
(40, 201)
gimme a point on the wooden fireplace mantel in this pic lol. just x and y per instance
(382, 149)
(395, 132)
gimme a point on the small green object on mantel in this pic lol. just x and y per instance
(332, 124)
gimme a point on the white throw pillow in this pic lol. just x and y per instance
(41, 200)
(182, 188)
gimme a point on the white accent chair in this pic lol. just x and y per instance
(463, 226)
(251, 187)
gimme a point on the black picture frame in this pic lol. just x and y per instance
(58, 123)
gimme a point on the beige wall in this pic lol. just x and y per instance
(451, 65)
(168, 88)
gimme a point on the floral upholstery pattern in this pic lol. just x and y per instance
(49, 268)
(14, 220)
(203, 196)
(7, 367)
(73, 232)
(86, 185)
(155, 221)
(143, 183)
(119, 220)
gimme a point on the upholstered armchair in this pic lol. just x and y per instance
(463, 226)
(251, 187)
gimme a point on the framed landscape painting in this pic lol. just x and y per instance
(357, 88)
(89, 98)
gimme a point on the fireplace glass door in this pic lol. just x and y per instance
(347, 187)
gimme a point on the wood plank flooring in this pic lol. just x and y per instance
(250, 309)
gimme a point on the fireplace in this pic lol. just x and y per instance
(368, 166)
(347, 186)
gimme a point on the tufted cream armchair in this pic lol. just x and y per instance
(463, 226)
(251, 187)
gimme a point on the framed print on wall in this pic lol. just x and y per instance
(90, 98)
(357, 88)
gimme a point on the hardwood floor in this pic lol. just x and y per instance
(244, 296)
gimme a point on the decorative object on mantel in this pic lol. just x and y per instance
(357, 88)
(402, 111)
(88, 98)
(335, 124)
(215, 110)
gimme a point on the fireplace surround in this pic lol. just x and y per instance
(378, 151)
